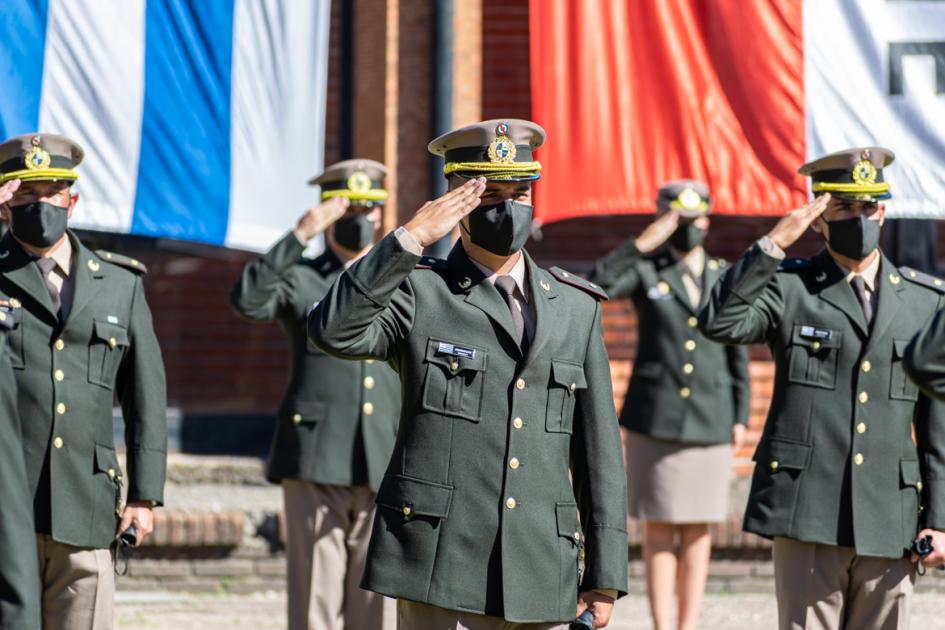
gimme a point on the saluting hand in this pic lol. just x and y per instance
(7, 190)
(792, 225)
(437, 218)
(937, 557)
(657, 232)
(141, 515)
(316, 220)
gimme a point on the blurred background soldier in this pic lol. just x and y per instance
(687, 401)
(84, 338)
(338, 419)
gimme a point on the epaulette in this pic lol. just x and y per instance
(577, 281)
(429, 262)
(790, 264)
(122, 261)
(8, 319)
(919, 277)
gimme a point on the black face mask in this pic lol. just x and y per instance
(355, 233)
(39, 224)
(687, 237)
(502, 228)
(854, 238)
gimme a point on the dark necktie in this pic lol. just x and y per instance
(506, 286)
(46, 265)
(859, 287)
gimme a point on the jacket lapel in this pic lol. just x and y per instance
(836, 291)
(671, 274)
(88, 273)
(889, 300)
(18, 267)
(466, 278)
(542, 297)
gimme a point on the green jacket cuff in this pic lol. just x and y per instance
(286, 252)
(147, 470)
(606, 560)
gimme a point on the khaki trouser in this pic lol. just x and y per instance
(417, 616)
(77, 586)
(328, 529)
(824, 587)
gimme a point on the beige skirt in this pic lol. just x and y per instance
(670, 482)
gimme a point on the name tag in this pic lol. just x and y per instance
(456, 351)
(810, 332)
(112, 319)
(654, 293)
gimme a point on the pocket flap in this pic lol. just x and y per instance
(415, 496)
(779, 454)
(106, 461)
(106, 331)
(909, 473)
(899, 348)
(812, 336)
(307, 411)
(456, 357)
(567, 516)
(568, 375)
(648, 369)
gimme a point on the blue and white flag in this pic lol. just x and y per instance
(201, 119)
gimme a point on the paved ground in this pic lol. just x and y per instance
(265, 611)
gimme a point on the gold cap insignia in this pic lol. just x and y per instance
(37, 158)
(359, 182)
(502, 150)
(689, 199)
(864, 173)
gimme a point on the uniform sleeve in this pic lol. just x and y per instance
(738, 362)
(600, 482)
(746, 305)
(142, 392)
(264, 287)
(925, 357)
(617, 272)
(370, 307)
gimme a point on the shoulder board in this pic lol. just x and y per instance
(428, 262)
(577, 281)
(919, 277)
(122, 261)
(790, 264)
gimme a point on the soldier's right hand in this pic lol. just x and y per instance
(795, 223)
(658, 232)
(316, 220)
(7, 191)
(437, 218)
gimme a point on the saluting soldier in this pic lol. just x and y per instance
(85, 336)
(506, 393)
(19, 578)
(336, 426)
(687, 402)
(839, 483)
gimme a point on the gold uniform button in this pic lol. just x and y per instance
(60, 344)
(863, 398)
(369, 361)
(112, 342)
(520, 383)
(111, 473)
(866, 366)
(688, 368)
(514, 463)
(918, 486)
(510, 503)
(775, 464)
(815, 346)
(572, 387)
(59, 375)
(858, 459)
(58, 442)
(693, 322)
(61, 408)
(577, 536)
(861, 428)
(407, 510)
(690, 345)
(517, 423)
(454, 366)
(368, 382)
(367, 408)
(297, 418)
(684, 392)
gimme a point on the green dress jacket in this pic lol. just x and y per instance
(684, 387)
(68, 375)
(837, 464)
(498, 454)
(19, 576)
(338, 419)
(925, 356)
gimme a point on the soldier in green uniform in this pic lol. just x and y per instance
(84, 338)
(507, 468)
(19, 579)
(337, 423)
(687, 401)
(839, 483)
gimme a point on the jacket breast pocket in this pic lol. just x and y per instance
(813, 357)
(566, 380)
(901, 386)
(106, 347)
(454, 379)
